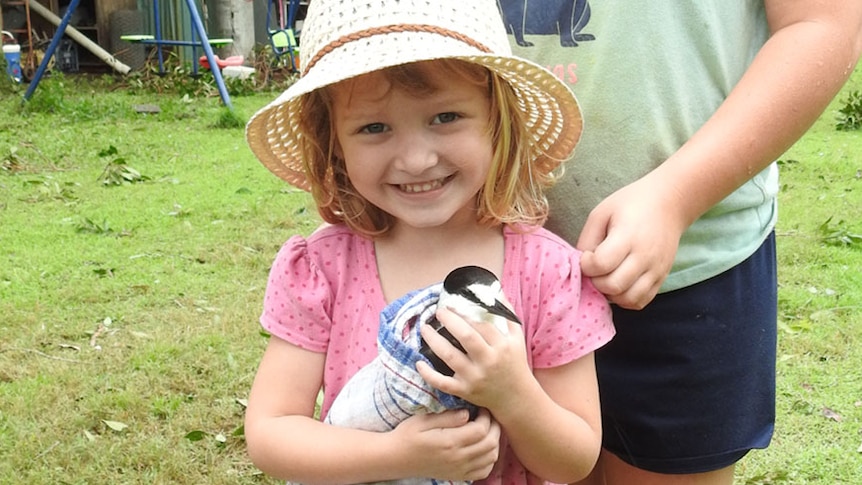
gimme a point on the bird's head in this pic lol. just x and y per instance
(477, 295)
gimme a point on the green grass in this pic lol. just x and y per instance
(818, 437)
(129, 335)
(136, 303)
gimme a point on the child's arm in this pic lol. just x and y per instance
(285, 441)
(551, 417)
(809, 56)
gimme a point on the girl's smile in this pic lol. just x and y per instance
(423, 187)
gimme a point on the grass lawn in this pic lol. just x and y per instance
(134, 251)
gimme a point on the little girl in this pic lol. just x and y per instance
(426, 146)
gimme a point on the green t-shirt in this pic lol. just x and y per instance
(648, 75)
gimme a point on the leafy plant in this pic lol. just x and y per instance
(838, 234)
(50, 96)
(116, 172)
(52, 190)
(90, 226)
(12, 162)
(850, 117)
(177, 78)
(174, 78)
(229, 119)
(240, 87)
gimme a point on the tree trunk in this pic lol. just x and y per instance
(234, 19)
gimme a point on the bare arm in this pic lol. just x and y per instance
(551, 416)
(813, 48)
(285, 441)
(556, 429)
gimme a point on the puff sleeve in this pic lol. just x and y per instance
(298, 299)
(567, 317)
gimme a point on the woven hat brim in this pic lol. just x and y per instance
(550, 108)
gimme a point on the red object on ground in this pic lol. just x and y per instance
(222, 63)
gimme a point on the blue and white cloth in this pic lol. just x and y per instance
(389, 389)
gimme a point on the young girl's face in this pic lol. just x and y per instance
(420, 157)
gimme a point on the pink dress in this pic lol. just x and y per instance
(324, 295)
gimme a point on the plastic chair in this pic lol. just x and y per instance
(282, 38)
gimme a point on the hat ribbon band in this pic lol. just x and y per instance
(392, 29)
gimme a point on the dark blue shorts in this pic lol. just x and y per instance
(688, 384)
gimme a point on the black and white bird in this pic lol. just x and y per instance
(476, 295)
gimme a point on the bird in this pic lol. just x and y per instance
(476, 295)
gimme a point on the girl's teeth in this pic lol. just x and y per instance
(425, 187)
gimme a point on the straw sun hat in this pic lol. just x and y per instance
(342, 39)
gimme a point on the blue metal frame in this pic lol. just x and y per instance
(197, 27)
(55, 41)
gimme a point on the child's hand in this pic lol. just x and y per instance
(491, 371)
(627, 259)
(447, 446)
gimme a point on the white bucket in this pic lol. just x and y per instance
(12, 53)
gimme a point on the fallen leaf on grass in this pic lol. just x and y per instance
(141, 335)
(769, 478)
(198, 435)
(115, 425)
(195, 435)
(830, 414)
(104, 272)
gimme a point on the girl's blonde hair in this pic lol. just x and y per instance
(514, 189)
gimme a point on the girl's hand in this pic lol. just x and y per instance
(447, 446)
(629, 243)
(551, 419)
(491, 371)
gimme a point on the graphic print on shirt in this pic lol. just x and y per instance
(566, 18)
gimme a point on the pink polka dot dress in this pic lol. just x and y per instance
(324, 295)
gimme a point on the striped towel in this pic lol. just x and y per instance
(389, 389)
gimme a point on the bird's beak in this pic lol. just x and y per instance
(502, 310)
